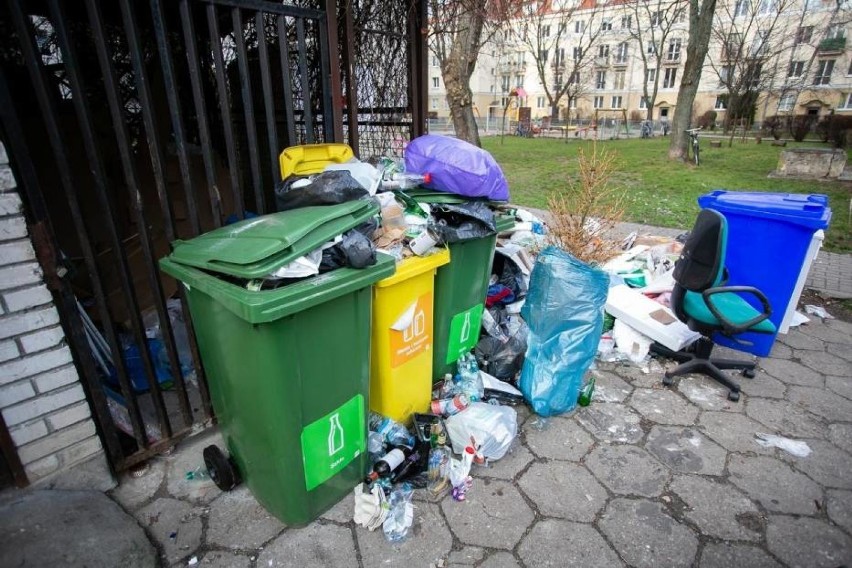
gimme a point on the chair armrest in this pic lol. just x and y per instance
(732, 327)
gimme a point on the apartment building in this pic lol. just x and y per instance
(766, 57)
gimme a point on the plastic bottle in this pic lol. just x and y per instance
(401, 513)
(470, 381)
(585, 397)
(438, 470)
(388, 463)
(394, 433)
(403, 180)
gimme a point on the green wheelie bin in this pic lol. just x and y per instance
(288, 368)
(460, 288)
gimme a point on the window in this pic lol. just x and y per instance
(579, 26)
(600, 80)
(597, 102)
(540, 102)
(436, 82)
(674, 50)
(767, 7)
(845, 101)
(837, 31)
(603, 51)
(804, 34)
(606, 25)
(732, 47)
(615, 102)
(519, 80)
(504, 83)
(680, 15)
(557, 82)
(741, 8)
(721, 102)
(626, 22)
(760, 44)
(572, 102)
(618, 82)
(726, 75)
(574, 78)
(621, 53)
(656, 19)
(435, 62)
(643, 102)
(542, 55)
(823, 74)
(544, 31)
(434, 104)
(578, 53)
(650, 75)
(796, 69)
(522, 56)
(561, 28)
(785, 104)
(669, 78)
(849, 71)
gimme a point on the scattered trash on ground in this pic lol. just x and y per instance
(797, 448)
(818, 311)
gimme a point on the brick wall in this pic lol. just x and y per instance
(41, 398)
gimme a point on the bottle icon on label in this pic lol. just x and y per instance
(465, 330)
(335, 434)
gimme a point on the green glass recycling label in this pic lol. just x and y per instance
(330, 443)
(464, 331)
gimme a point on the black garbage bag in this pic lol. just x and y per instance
(356, 250)
(509, 274)
(454, 223)
(502, 354)
(327, 188)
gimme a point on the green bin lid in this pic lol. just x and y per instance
(256, 247)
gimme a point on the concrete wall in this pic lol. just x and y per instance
(812, 163)
(41, 397)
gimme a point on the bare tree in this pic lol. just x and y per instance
(458, 30)
(651, 24)
(547, 30)
(753, 39)
(700, 28)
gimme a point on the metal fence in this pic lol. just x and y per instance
(134, 123)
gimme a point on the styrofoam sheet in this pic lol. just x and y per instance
(635, 309)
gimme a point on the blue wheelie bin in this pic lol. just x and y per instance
(768, 239)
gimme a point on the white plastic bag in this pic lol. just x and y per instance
(493, 427)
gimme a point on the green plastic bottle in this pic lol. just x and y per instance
(585, 397)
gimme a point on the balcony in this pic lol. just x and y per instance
(672, 59)
(602, 61)
(558, 65)
(620, 61)
(508, 67)
(832, 45)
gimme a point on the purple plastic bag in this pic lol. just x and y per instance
(456, 166)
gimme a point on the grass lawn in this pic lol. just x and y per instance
(660, 192)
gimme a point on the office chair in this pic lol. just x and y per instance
(701, 300)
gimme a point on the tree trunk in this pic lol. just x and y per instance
(700, 26)
(460, 101)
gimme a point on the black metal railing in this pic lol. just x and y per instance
(134, 123)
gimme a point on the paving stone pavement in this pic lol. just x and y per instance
(645, 476)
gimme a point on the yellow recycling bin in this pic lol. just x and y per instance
(401, 366)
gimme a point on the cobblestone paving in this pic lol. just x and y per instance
(645, 476)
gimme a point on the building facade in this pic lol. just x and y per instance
(766, 58)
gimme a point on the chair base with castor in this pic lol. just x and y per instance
(699, 361)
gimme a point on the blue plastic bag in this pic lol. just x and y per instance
(457, 167)
(564, 311)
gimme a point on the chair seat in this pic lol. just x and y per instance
(730, 304)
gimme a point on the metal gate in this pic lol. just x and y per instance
(133, 123)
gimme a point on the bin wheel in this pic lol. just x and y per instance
(668, 381)
(220, 468)
(733, 396)
(748, 373)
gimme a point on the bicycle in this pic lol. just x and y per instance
(647, 129)
(693, 136)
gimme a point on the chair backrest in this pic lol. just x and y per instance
(702, 263)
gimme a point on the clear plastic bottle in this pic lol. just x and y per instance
(470, 381)
(401, 513)
(394, 433)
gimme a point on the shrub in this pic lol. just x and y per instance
(835, 129)
(774, 125)
(707, 120)
(800, 125)
(636, 116)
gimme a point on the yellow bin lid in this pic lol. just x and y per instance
(414, 266)
(312, 158)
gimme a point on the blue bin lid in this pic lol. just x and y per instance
(808, 210)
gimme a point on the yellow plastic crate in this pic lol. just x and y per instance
(312, 158)
(401, 362)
